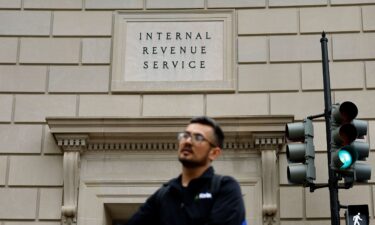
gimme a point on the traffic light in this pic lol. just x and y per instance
(346, 150)
(300, 156)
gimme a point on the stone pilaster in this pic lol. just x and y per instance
(269, 146)
(72, 147)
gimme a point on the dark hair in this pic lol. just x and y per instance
(218, 132)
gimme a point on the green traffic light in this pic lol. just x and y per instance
(345, 158)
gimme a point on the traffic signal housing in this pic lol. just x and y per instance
(347, 151)
(301, 153)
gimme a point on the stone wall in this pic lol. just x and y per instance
(55, 60)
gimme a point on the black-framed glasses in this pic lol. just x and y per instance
(195, 137)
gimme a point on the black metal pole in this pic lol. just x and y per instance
(332, 180)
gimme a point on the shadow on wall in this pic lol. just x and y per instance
(119, 213)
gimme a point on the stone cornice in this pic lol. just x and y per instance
(159, 134)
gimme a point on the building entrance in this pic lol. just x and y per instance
(113, 185)
(112, 165)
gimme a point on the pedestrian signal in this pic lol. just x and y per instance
(357, 215)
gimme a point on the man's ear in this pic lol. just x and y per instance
(214, 153)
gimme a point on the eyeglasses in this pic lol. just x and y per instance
(195, 137)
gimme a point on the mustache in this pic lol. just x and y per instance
(187, 148)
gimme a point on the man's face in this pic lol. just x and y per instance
(194, 154)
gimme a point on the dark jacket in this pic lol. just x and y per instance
(194, 205)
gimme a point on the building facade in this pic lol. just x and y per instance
(93, 92)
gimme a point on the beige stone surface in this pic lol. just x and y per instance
(36, 170)
(235, 3)
(20, 203)
(283, 3)
(49, 50)
(364, 100)
(347, 75)
(368, 14)
(291, 202)
(52, 4)
(239, 104)
(3, 169)
(352, 197)
(317, 204)
(82, 23)
(113, 4)
(282, 170)
(320, 140)
(23, 78)
(371, 134)
(36, 23)
(6, 103)
(353, 46)
(295, 48)
(10, 4)
(35, 108)
(252, 49)
(351, 2)
(274, 77)
(307, 222)
(8, 53)
(96, 50)
(260, 21)
(109, 105)
(344, 75)
(78, 79)
(370, 74)
(31, 223)
(312, 76)
(321, 167)
(298, 104)
(370, 160)
(173, 105)
(123, 167)
(316, 20)
(167, 4)
(20, 138)
(50, 203)
(49, 143)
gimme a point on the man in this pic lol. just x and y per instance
(197, 196)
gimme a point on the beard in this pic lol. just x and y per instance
(191, 163)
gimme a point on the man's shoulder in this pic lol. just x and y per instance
(227, 183)
(226, 179)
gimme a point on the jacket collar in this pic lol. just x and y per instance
(208, 174)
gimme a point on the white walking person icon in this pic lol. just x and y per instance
(356, 219)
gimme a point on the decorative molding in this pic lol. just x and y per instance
(71, 183)
(127, 146)
(75, 135)
(72, 145)
(157, 146)
(218, 30)
(72, 142)
(159, 134)
(269, 145)
(270, 185)
(265, 143)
